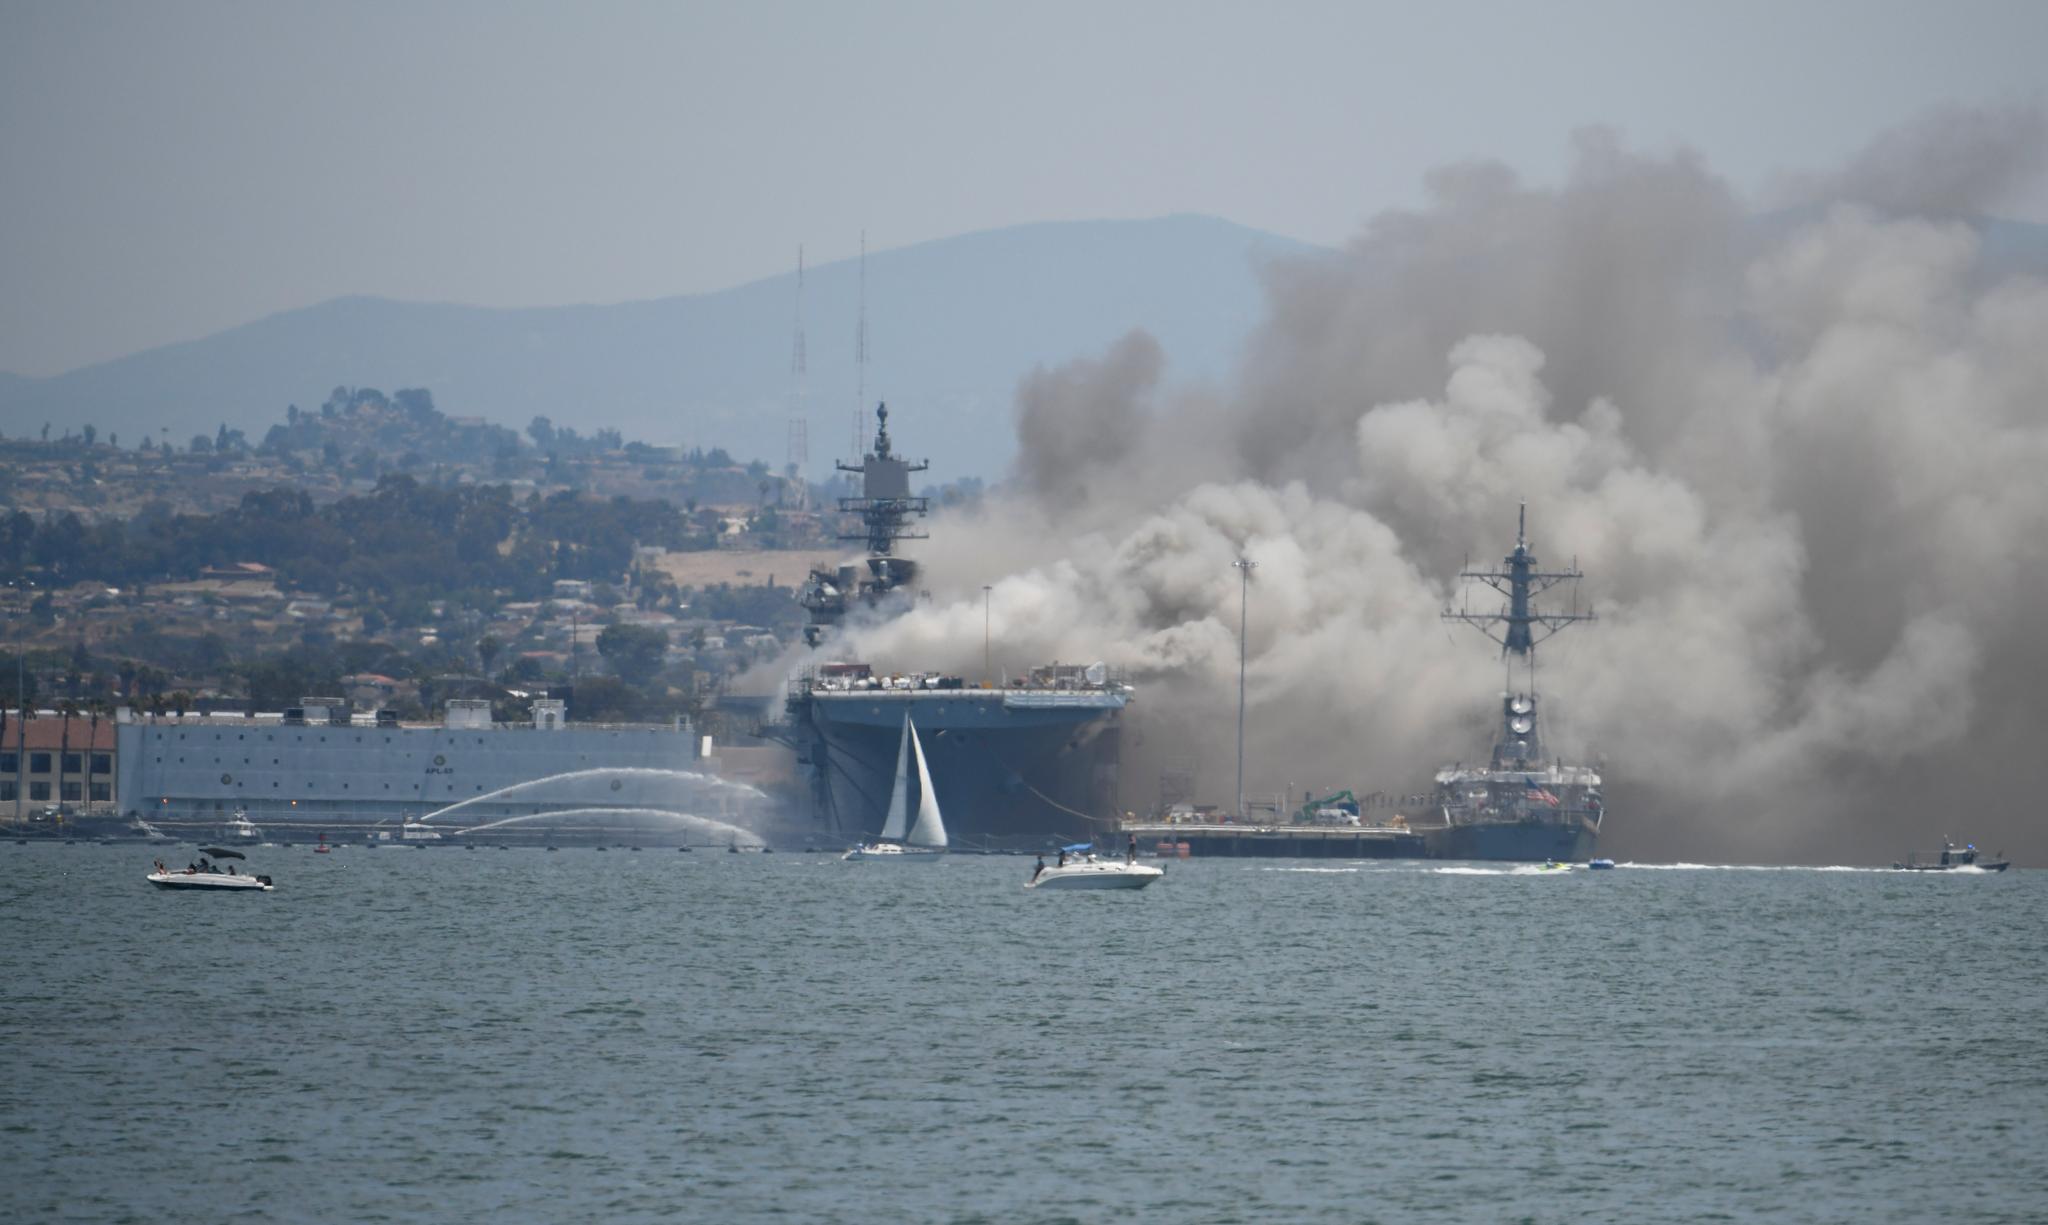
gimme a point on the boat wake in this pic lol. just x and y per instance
(1531, 869)
(1747, 867)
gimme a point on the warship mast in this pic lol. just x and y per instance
(885, 504)
(1519, 627)
(888, 512)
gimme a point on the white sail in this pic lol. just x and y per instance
(930, 829)
(899, 796)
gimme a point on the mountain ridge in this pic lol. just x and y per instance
(953, 323)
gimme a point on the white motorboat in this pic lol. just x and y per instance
(213, 876)
(925, 841)
(242, 829)
(1086, 871)
(209, 880)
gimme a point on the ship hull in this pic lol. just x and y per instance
(1010, 771)
(1515, 841)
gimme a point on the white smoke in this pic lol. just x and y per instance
(1801, 463)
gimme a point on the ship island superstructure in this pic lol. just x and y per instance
(1017, 762)
(1521, 803)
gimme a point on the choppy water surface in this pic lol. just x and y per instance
(606, 1035)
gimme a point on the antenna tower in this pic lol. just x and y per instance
(796, 355)
(799, 371)
(860, 357)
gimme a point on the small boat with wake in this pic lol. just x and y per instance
(207, 873)
(1953, 858)
(242, 829)
(1080, 868)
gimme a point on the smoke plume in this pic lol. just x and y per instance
(1801, 461)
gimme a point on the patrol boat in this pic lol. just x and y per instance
(1519, 804)
(1952, 858)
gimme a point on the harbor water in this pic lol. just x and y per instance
(519, 1035)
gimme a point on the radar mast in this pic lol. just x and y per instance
(888, 512)
(1518, 628)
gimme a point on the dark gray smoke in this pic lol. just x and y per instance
(1802, 464)
(1951, 161)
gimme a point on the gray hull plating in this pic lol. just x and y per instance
(1515, 841)
(1010, 769)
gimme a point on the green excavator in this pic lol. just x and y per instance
(1338, 809)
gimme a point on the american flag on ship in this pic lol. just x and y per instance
(1540, 796)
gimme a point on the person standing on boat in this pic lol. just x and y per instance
(1041, 866)
(1131, 851)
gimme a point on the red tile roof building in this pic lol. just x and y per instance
(48, 759)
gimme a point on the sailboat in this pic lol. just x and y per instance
(925, 840)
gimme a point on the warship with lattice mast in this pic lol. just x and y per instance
(1018, 763)
(1521, 803)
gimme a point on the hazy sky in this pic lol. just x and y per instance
(175, 168)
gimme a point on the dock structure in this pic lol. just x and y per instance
(1226, 839)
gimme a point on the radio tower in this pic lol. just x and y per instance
(799, 426)
(860, 358)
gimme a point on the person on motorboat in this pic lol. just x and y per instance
(1131, 851)
(1040, 869)
(1063, 857)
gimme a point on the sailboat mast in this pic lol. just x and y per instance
(899, 795)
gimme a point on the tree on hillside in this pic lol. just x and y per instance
(604, 699)
(488, 648)
(633, 651)
(416, 403)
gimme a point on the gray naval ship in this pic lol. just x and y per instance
(1520, 804)
(1016, 763)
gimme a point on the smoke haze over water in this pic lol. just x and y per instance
(1801, 460)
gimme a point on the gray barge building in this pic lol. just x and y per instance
(320, 767)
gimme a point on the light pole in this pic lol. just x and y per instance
(1244, 566)
(984, 635)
